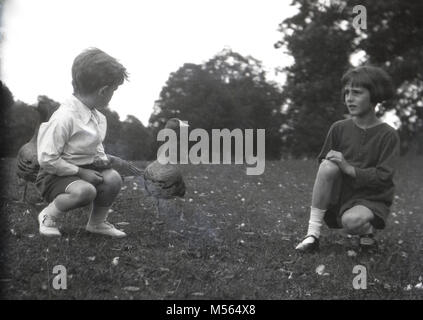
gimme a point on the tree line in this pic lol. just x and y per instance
(231, 90)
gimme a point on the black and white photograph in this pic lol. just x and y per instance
(212, 152)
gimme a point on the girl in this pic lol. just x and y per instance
(354, 186)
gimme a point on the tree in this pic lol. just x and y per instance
(228, 91)
(394, 39)
(321, 49)
(136, 140)
(322, 38)
(22, 122)
(6, 103)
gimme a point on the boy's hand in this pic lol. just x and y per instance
(90, 176)
(101, 164)
(338, 158)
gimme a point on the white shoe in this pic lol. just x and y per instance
(48, 225)
(105, 228)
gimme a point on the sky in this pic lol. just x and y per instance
(151, 39)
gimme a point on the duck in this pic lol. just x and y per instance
(165, 181)
(26, 159)
(160, 181)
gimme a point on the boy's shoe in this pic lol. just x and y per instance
(48, 225)
(308, 247)
(367, 242)
(105, 228)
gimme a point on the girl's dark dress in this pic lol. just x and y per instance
(374, 153)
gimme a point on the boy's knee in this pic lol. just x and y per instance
(85, 194)
(329, 169)
(112, 181)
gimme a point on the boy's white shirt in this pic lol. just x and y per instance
(72, 137)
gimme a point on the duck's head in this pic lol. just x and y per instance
(175, 124)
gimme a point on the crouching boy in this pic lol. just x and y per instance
(70, 148)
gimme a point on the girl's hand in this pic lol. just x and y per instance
(338, 158)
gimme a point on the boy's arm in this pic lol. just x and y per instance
(382, 174)
(51, 140)
(101, 154)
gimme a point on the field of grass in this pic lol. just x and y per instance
(236, 242)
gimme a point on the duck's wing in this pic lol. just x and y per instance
(27, 162)
(124, 167)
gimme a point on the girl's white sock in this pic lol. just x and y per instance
(316, 221)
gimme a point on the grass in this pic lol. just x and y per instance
(236, 242)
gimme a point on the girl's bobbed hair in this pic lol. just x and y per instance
(374, 79)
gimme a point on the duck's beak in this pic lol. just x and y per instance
(183, 123)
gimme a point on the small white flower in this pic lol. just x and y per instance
(419, 286)
(131, 288)
(91, 258)
(408, 287)
(351, 253)
(115, 261)
(320, 269)
(198, 294)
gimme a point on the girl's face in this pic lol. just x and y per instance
(357, 100)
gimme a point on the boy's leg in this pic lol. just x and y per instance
(77, 194)
(327, 175)
(106, 194)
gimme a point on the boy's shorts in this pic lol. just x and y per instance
(344, 200)
(51, 185)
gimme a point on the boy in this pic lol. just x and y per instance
(354, 186)
(70, 148)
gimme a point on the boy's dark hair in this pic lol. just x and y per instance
(374, 79)
(93, 69)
